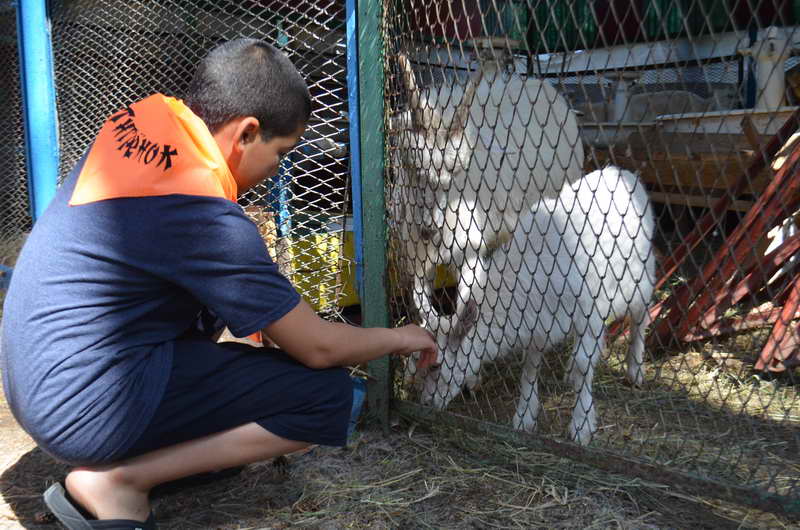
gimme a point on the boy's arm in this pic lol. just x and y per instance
(318, 343)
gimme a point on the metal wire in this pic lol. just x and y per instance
(673, 91)
(668, 89)
(109, 54)
(15, 218)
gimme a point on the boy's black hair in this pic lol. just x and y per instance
(248, 77)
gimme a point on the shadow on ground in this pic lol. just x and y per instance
(224, 499)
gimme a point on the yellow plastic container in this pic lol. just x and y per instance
(349, 294)
(323, 267)
(316, 251)
(316, 267)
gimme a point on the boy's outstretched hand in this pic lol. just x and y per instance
(319, 344)
(417, 339)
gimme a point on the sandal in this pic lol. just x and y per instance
(75, 518)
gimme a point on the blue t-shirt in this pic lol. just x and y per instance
(100, 292)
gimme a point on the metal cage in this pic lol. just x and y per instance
(496, 114)
(518, 242)
(138, 48)
(15, 219)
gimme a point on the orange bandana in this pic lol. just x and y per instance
(155, 147)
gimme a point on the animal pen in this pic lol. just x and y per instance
(438, 127)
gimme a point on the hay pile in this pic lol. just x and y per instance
(410, 478)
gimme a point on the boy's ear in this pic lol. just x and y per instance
(247, 131)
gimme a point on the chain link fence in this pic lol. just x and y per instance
(538, 267)
(15, 218)
(593, 205)
(109, 54)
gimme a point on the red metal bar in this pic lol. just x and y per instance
(728, 326)
(784, 340)
(758, 162)
(756, 278)
(786, 286)
(721, 267)
(739, 247)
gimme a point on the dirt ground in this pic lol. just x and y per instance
(409, 477)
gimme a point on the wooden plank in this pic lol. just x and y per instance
(754, 280)
(677, 143)
(728, 326)
(738, 246)
(695, 200)
(680, 299)
(751, 133)
(718, 174)
(696, 175)
(691, 159)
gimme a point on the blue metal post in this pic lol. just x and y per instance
(355, 142)
(279, 196)
(39, 102)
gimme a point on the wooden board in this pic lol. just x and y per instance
(683, 163)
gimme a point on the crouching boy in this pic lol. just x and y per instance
(103, 362)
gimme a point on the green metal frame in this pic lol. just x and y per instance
(665, 19)
(374, 303)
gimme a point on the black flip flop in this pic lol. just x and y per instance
(57, 499)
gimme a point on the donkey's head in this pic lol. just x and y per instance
(435, 142)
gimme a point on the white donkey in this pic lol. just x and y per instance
(469, 164)
(574, 261)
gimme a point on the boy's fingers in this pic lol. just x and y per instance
(427, 358)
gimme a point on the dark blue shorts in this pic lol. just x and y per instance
(215, 387)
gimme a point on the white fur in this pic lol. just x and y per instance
(573, 262)
(469, 163)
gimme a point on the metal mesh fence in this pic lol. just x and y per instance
(109, 54)
(592, 205)
(14, 215)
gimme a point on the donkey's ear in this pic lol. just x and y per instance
(458, 142)
(465, 321)
(461, 114)
(420, 117)
(409, 81)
